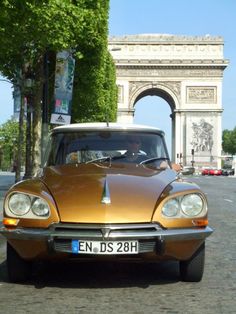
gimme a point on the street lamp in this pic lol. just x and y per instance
(192, 152)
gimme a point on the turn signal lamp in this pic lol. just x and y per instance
(10, 222)
(200, 222)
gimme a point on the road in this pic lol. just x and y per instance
(138, 288)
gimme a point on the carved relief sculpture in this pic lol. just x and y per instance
(202, 136)
(201, 94)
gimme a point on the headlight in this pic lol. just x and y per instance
(26, 205)
(192, 205)
(40, 207)
(19, 204)
(171, 208)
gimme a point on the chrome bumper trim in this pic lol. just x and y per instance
(106, 232)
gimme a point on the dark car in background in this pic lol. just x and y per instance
(228, 172)
(188, 170)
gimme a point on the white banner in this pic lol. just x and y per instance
(57, 118)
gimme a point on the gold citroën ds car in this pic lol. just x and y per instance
(106, 191)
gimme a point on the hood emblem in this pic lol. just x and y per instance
(105, 233)
(106, 194)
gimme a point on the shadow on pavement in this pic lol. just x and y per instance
(96, 275)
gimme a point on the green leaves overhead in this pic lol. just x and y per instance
(29, 28)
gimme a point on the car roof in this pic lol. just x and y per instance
(103, 126)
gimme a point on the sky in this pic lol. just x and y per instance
(177, 17)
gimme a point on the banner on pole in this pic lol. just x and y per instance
(63, 87)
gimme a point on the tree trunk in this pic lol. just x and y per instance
(37, 122)
(37, 130)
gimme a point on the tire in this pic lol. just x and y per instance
(18, 269)
(192, 269)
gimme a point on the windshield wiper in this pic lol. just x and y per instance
(105, 158)
(150, 160)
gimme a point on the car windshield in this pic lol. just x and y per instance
(115, 146)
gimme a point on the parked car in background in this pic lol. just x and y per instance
(215, 172)
(106, 191)
(206, 171)
(188, 170)
(228, 172)
(211, 171)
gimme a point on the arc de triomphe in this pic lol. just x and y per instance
(185, 71)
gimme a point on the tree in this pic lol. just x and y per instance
(8, 139)
(30, 29)
(27, 31)
(229, 141)
(95, 91)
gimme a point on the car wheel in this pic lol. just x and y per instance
(18, 269)
(192, 269)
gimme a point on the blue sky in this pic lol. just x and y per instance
(179, 17)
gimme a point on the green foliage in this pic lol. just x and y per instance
(29, 28)
(95, 91)
(8, 140)
(229, 141)
(110, 88)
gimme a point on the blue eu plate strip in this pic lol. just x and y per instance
(75, 246)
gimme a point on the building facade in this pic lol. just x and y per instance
(185, 71)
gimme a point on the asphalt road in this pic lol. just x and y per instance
(138, 288)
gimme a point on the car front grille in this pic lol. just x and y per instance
(106, 231)
(145, 233)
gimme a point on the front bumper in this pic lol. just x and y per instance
(106, 232)
(154, 241)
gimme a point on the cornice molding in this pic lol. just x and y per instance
(165, 38)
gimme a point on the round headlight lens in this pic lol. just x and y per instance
(192, 205)
(19, 204)
(40, 207)
(170, 208)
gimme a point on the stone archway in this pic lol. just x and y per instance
(169, 91)
(185, 71)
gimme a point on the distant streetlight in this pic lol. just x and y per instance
(192, 152)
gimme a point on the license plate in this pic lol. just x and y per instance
(105, 247)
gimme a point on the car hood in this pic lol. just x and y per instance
(97, 194)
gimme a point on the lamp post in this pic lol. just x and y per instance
(45, 106)
(192, 162)
(28, 145)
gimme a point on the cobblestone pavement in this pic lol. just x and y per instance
(138, 288)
